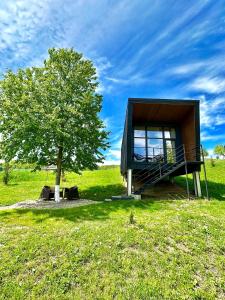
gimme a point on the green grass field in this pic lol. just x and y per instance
(174, 249)
(94, 185)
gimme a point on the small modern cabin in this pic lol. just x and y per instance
(161, 139)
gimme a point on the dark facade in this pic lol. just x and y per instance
(161, 131)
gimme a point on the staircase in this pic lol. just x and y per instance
(154, 173)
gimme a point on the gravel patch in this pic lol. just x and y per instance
(40, 204)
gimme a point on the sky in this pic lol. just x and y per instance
(148, 48)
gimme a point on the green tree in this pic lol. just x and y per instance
(50, 115)
(220, 150)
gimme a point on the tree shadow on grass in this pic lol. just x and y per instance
(102, 192)
(216, 190)
(93, 212)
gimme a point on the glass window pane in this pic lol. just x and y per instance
(139, 154)
(169, 133)
(150, 151)
(170, 151)
(139, 142)
(156, 156)
(154, 132)
(155, 143)
(139, 131)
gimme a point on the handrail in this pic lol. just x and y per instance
(147, 170)
(169, 164)
(164, 173)
(161, 169)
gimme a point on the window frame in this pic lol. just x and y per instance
(147, 139)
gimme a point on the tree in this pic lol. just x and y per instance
(220, 150)
(50, 115)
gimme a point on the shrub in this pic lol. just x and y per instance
(212, 162)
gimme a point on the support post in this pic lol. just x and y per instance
(206, 183)
(198, 184)
(195, 184)
(129, 182)
(186, 171)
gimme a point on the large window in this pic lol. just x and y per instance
(140, 153)
(154, 144)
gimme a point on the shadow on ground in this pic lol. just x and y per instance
(102, 211)
(93, 212)
(216, 190)
(100, 193)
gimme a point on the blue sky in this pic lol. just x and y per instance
(148, 48)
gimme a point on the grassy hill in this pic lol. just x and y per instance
(95, 185)
(172, 249)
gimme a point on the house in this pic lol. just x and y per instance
(161, 139)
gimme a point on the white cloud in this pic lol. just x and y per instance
(210, 151)
(115, 153)
(209, 85)
(109, 162)
(212, 111)
(205, 136)
(186, 69)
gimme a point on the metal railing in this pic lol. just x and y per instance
(181, 156)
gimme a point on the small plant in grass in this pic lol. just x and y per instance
(131, 218)
(212, 162)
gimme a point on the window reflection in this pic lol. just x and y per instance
(154, 144)
(139, 142)
(154, 132)
(139, 131)
(139, 154)
(169, 133)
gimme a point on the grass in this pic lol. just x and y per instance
(215, 178)
(95, 185)
(116, 250)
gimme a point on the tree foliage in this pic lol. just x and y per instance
(50, 115)
(220, 150)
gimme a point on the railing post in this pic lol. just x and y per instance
(186, 171)
(206, 184)
(195, 183)
(129, 182)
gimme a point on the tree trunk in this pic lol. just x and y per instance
(58, 174)
(6, 173)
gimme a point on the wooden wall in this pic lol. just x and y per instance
(188, 134)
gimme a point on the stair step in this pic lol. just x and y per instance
(164, 173)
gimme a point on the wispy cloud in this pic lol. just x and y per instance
(214, 85)
(212, 111)
(212, 137)
(186, 69)
(140, 49)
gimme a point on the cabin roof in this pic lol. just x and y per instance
(162, 100)
(157, 110)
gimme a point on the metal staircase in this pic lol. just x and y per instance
(177, 158)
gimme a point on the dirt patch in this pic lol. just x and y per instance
(40, 204)
(166, 190)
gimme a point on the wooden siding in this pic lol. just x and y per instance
(188, 134)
